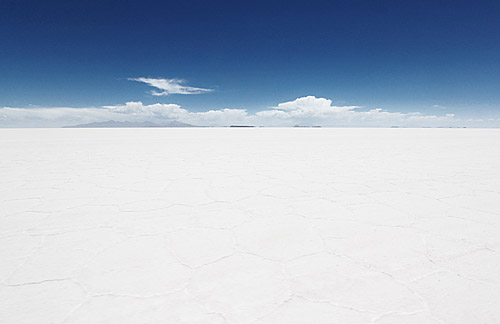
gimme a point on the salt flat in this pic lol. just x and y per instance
(260, 225)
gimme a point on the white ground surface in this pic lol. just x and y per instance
(250, 226)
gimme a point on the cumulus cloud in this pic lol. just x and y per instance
(169, 111)
(312, 106)
(53, 117)
(305, 111)
(312, 111)
(170, 86)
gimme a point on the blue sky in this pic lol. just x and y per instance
(432, 57)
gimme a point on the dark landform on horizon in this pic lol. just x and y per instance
(126, 124)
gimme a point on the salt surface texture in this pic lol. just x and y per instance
(207, 225)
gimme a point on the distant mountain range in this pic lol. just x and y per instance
(118, 124)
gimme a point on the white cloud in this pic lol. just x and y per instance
(53, 117)
(310, 111)
(311, 105)
(306, 111)
(169, 111)
(161, 112)
(170, 86)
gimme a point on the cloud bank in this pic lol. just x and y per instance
(170, 86)
(304, 111)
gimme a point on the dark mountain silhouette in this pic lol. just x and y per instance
(118, 124)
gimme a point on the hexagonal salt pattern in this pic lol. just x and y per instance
(241, 226)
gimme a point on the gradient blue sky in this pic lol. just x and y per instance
(397, 55)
